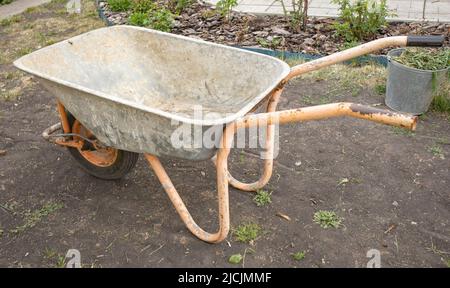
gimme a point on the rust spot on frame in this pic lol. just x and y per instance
(367, 110)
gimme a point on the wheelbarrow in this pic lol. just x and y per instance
(125, 90)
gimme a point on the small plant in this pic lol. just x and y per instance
(31, 9)
(225, 7)
(139, 19)
(298, 14)
(327, 219)
(425, 59)
(11, 95)
(349, 44)
(262, 198)
(436, 150)
(4, 2)
(161, 19)
(177, 6)
(119, 5)
(57, 260)
(8, 21)
(34, 217)
(24, 51)
(360, 18)
(247, 232)
(207, 13)
(235, 259)
(142, 6)
(441, 102)
(271, 44)
(11, 75)
(380, 89)
(299, 255)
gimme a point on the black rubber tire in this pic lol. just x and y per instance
(124, 163)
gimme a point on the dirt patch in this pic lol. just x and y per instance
(388, 187)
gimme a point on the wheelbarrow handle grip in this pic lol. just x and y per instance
(425, 41)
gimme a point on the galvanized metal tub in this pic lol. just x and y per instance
(134, 87)
(409, 89)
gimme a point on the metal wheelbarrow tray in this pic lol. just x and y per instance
(130, 85)
(125, 90)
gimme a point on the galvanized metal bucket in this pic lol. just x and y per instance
(408, 89)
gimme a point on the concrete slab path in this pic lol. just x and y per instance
(406, 10)
(18, 6)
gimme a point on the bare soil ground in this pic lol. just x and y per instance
(391, 187)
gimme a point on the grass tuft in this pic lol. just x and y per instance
(247, 232)
(327, 219)
(11, 20)
(436, 150)
(262, 198)
(31, 218)
(56, 260)
(300, 255)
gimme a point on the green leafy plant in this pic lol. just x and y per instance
(247, 232)
(177, 6)
(441, 102)
(437, 151)
(327, 219)
(271, 44)
(158, 18)
(348, 45)
(297, 16)
(207, 13)
(139, 19)
(142, 6)
(235, 259)
(262, 198)
(225, 7)
(161, 19)
(119, 5)
(11, 20)
(3, 2)
(380, 89)
(300, 255)
(56, 260)
(360, 18)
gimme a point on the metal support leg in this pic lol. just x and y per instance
(222, 190)
(269, 147)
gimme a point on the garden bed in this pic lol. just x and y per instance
(201, 20)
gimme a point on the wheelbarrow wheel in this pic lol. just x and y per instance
(102, 162)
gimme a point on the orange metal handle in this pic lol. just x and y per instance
(346, 55)
(329, 111)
